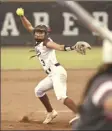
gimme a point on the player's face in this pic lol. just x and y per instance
(39, 35)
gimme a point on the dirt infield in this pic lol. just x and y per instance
(18, 99)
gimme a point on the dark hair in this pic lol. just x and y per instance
(103, 69)
(43, 28)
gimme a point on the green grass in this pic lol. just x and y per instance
(18, 58)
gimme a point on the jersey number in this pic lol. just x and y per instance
(43, 63)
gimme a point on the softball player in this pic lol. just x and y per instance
(96, 105)
(57, 76)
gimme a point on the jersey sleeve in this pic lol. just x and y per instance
(102, 92)
(47, 40)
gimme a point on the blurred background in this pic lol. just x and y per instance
(65, 29)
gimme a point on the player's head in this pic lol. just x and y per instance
(41, 33)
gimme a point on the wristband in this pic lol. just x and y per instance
(68, 48)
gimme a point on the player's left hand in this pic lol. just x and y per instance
(81, 47)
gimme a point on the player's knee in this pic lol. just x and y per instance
(38, 91)
(62, 99)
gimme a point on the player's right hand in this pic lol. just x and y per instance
(20, 11)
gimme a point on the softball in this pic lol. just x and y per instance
(20, 11)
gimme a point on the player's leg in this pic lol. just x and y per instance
(41, 88)
(45, 101)
(60, 88)
(70, 104)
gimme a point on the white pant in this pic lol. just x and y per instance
(57, 81)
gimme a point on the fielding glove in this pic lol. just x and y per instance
(81, 47)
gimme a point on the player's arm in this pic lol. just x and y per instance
(79, 46)
(26, 23)
(53, 45)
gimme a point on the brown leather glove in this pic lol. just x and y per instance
(81, 47)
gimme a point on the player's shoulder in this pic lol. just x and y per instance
(47, 40)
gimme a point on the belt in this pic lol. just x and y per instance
(49, 70)
(57, 64)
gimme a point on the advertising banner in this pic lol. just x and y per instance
(65, 26)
